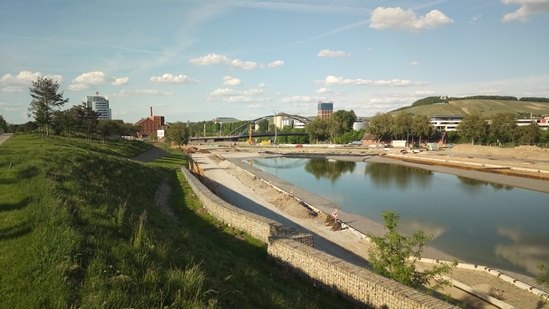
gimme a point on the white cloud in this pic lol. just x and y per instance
(211, 59)
(84, 80)
(334, 80)
(297, 98)
(78, 87)
(424, 92)
(229, 91)
(397, 18)
(253, 91)
(527, 8)
(244, 65)
(234, 96)
(120, 81)
(140, 92)
(332, 53)
(23, 80)
(276, 64)
(324, 90)
(168, 78)
(223, 91)
(245, 99)
(231, 81)
(414, 63)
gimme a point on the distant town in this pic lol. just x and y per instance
(413, 126)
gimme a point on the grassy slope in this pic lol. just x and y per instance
(486, 107)
(78, 228)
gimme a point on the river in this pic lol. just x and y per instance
(479, 222)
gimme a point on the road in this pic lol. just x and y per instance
(4, 137)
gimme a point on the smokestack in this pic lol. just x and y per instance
(151, 111)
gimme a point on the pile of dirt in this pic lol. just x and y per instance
(190, 150)
(291, 206)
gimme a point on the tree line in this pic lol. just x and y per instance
(499, 129)
(78, 121)
(475, 128)
(337, 129)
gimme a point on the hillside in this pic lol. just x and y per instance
(84, 225)
(486, 107)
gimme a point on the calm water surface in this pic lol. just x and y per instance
(482, 223)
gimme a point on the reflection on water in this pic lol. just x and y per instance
(526, 250)
(482, 223)
(331, 169)
(385, 175)
(474, 182)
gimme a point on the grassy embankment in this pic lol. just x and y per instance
(79, 228)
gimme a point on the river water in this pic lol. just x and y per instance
(479, 222)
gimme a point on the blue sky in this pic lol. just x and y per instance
(196, 60)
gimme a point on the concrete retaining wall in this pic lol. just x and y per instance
(295, 250)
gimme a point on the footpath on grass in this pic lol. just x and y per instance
(4, 137)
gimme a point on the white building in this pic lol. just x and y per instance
(450, 123)
(100, 105)
(445, 123)
(359, 124)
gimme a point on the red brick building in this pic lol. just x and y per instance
(149, 126)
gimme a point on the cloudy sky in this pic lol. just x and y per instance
(194, 60)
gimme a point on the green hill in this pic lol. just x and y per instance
(484, 106)
(80, 228)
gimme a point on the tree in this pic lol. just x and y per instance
(543, 277)
(544, 137)
(105, 128)
(391, 254)
(421, 127)
(503, 128)
(45, 100)
(178, 133)
(318, 129)
(528, 135)
(380, 125)
(3, 125)
(342, 121)
(473, 127)
(402, 125)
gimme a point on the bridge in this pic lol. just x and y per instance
(243, 132)
(235, 138)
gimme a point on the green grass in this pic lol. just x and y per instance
(79, 228)
(486, 107)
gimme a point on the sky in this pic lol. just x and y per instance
(195, 60)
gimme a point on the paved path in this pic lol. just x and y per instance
(236, 193)
(4, 137)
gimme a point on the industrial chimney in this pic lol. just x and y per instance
(151, 111)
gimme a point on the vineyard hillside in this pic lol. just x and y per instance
(485, 107)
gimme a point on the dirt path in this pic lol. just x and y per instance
(4, 137)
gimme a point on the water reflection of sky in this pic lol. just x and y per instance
(479, 222)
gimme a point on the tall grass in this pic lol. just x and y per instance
(79, 228)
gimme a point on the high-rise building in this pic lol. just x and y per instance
(99, 104)
(325, 109)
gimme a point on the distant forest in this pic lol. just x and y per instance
(438, 99)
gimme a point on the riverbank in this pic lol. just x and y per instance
(352, 242)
